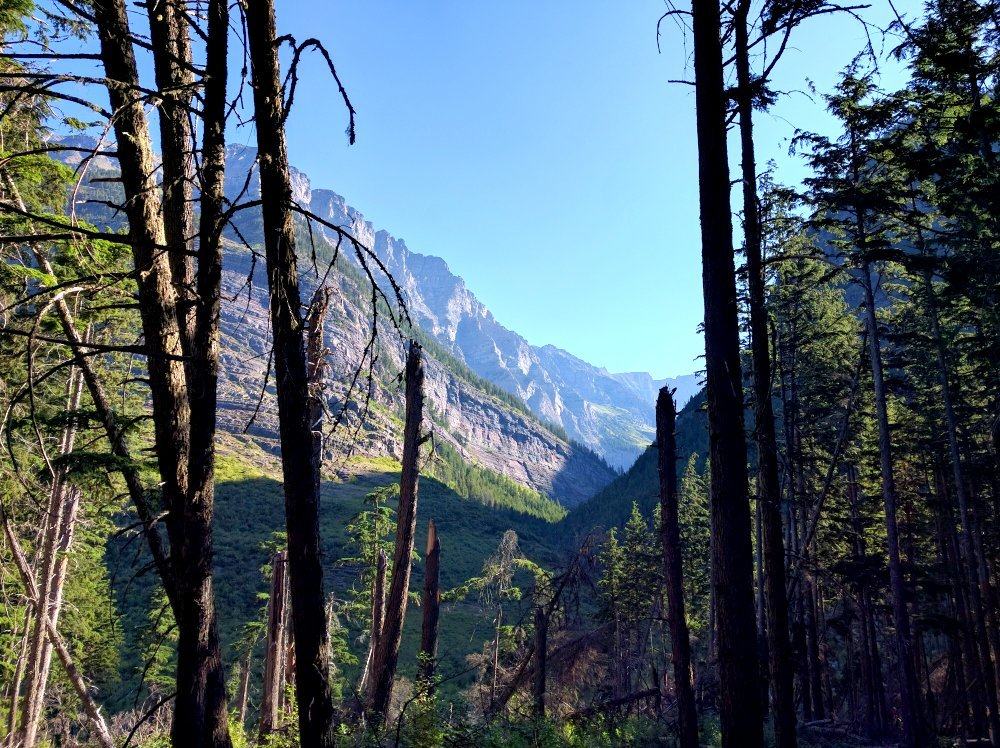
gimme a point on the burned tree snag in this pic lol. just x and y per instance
(670, 538)
(275, 647)
(387, 652)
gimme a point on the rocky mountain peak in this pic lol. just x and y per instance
(610, 413)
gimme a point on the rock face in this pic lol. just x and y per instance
(482, 427)
(537, 415)
(483, 423)
(610, 413)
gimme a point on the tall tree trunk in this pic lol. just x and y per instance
(431, 605)
(800, 638)
(761, 608)
(387, 652)
(768, 480)
(812, 647)
(971, 694)
(732, 558)
(196, 545)
(670, 538)
(171, 44)
(300, 472)
(872, 710)
(200, 714)
(912, 731)
(807, 597)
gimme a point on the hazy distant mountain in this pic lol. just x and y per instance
(610, 413)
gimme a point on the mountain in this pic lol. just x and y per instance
(499, 462)
(640, 484)
(496, 433)
(610, 413)
(486, 440)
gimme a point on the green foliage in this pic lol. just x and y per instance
(608, 732)
(493, 489)
(423, 722)
(612, 505)
(632, 572)
(694, 521)
(158, 640)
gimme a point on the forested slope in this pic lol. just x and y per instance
(612, 505)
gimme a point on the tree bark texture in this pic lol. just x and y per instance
(732, 558)
(300, 470)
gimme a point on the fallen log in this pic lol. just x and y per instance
(612, 704)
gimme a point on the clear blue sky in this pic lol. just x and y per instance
(539, 149)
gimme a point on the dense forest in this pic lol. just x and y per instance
(807, 555)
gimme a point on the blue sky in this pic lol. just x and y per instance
(539, 149)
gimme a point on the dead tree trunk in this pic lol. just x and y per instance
(200, 713)
(541, 646)
(243, 697)
(732, 558)
(101, 734)
(298, 456)
(12, 692)
(387, 652)
(670, 538)
(60, 525)
(377, 621)
(431, 605)
(275, 647)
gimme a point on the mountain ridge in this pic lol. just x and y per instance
(482, 425)
(611, 413)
